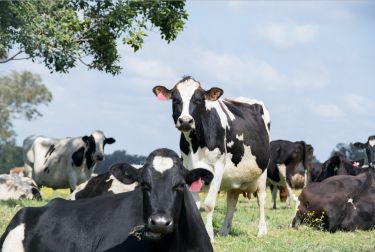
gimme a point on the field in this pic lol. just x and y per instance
(243, 236)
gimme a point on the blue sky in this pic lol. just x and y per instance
(312, 63)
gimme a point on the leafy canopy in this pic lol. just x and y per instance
(20, 94)
(61, 32)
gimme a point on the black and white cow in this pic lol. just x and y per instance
(14, 186)
(341, 202)
(369, 146)
(284, 163)
(160, 215)
(63, 163)
(229, 137)
(337, 164)
(113, 181)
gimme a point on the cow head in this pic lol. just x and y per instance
(95, 145)
(164, 182)
(369, 146)
(188, 100)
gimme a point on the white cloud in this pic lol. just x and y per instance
(148, 68)
(289, 34)
(327, 110)
(359, 104)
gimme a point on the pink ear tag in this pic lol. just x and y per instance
(196, 186)
(161, 97)
(355, 164)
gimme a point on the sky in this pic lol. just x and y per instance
(311, 62)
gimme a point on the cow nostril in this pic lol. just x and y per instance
(153, 222)
(180, 120)
(190, 121)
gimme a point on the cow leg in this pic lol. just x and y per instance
(210, 201)
(291, 195)
(28, 170)
(261, 192)
(72, 182)
(232, 198)
(274, 196)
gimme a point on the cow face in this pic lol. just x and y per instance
(164, 181)
(188, 100)
(95, 143)
(369, 146)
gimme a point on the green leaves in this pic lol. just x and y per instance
(20, 94)
(58, 33)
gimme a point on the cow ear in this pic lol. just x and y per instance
(85, 139)
(213, 94)
(162, 93)
(196, 177)
(125, 173)
(359, 145)
(110, 140)
(360, 162)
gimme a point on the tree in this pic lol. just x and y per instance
(350, 152)
(59, 33)
(117, 157)
(10, 156)
(20, 94)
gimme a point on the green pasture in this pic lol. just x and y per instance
(243, 236)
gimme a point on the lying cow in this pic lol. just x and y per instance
(63, 163)
(338, 164)
(369, 146)
(227, 136)
(341, 202)
(14, 186)
(113, 181)
(160, 215)
(284, 164)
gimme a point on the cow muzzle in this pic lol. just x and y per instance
(158, 225)
(185, 123)
(99, 157)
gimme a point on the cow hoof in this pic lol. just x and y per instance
(223, 232)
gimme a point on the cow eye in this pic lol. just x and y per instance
(180, 187)
(176, 101)
(145, 186)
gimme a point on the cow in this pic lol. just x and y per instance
(113, 181)
(337, 164)
(369, 146)
(20, 170)
(63, 163)
(229, 137)
(159, 215)
(284, 164)
(14, 186)
(341, 202)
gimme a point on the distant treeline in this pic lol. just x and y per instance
(11, 156)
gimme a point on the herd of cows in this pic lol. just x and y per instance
(224, 145)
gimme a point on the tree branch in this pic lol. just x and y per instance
(11, 58)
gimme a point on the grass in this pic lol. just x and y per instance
(243, 236)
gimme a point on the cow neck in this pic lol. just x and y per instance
(90, 162)
(206, 133)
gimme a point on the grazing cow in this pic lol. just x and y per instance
(284, 164)
(160, 215)
(20, 170)
(338, 164)
(14, 186)
(63, 163)
(113, 181)
(341, 202)
(369, 146)
(230, 137)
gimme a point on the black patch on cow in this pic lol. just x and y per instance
(50, 150)
(91, 147)
(77, 156)
(248, 121)
(95, 186)
(46, 170)
(184, 144)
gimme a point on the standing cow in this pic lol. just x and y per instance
(369, 146)
(284, 162)
(229, 137)
(63, 163)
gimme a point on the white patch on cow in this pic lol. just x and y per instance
(266, 115)
(239, 137)
(186, 89)
(79, 188)
(162, 164)
(216, 106)
(350, 201)
(371, 142)
(119, 187)
(13, 241)
(230, 144)
(99, 142)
